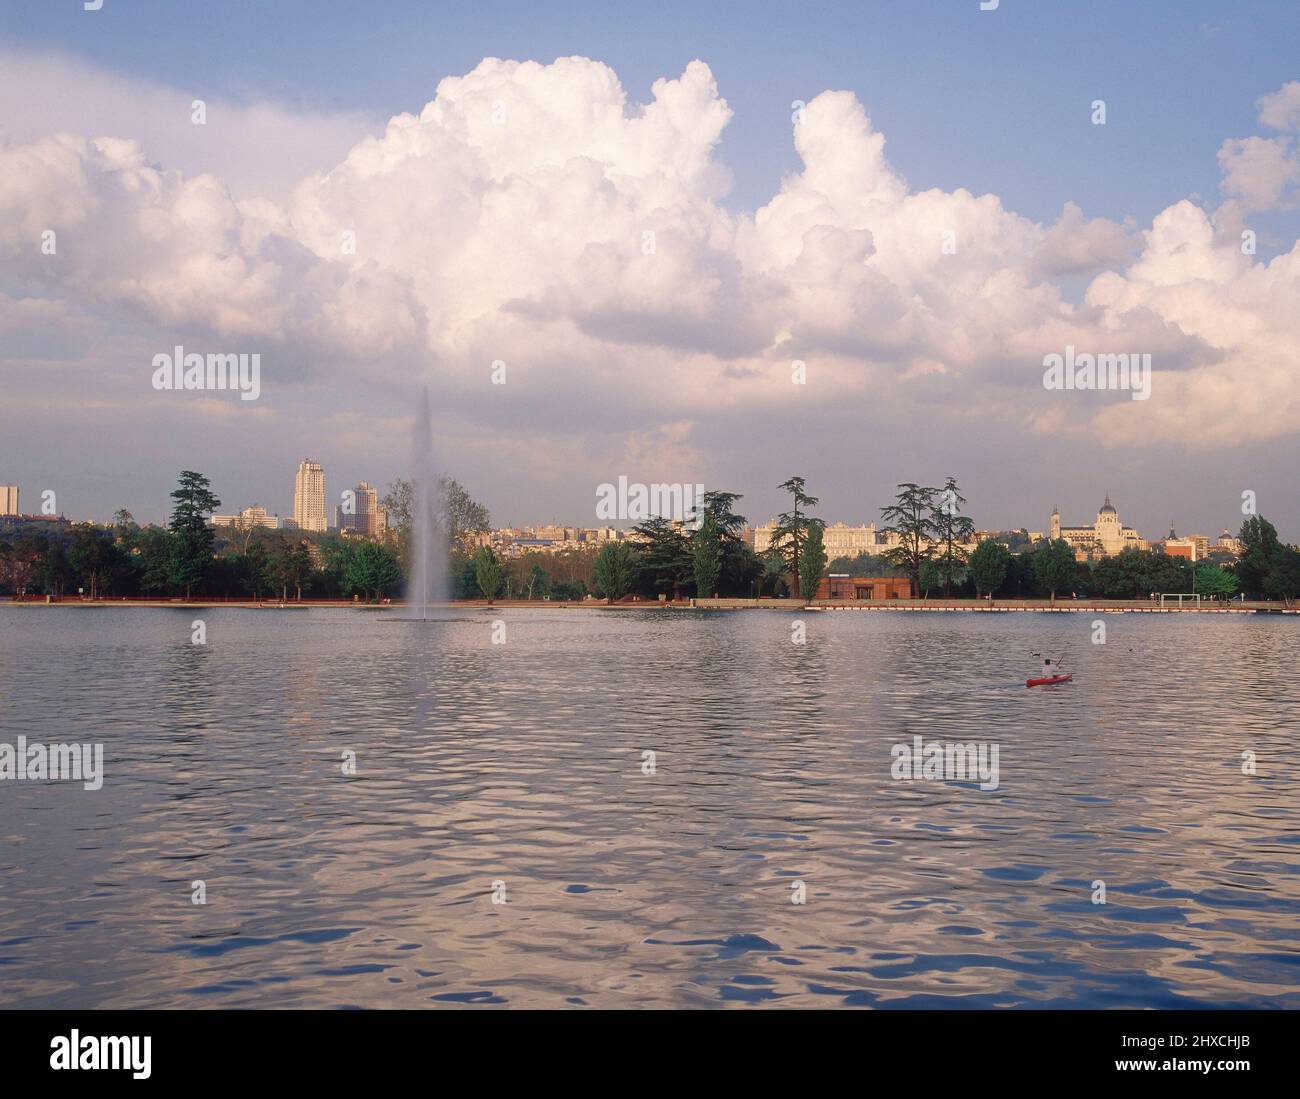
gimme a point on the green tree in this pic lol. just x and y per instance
(461, 515)
(950, 528)
(740, 566)
(665, 556)
(814, 561)
(1054, 566)
(1117, 577)
(720, 506)
(487, 573)
(1214, 581)
(910, 516)
(1020, 575)
(191, 548)
(1259, 551)
(792, 526)
(288, 565)
(398, 503)
(706, 548)
(464, 579)
(930, 577)
(124, 523)
(1135, 574)
(458, 515)
(302, 567)
(255, 569)
(774, 576)
(54, 571)
(151, 555)
(567, 590)
(538, 583)
(92, 556)
(615, 571)
(1016, 541)
(988, 567)
(370, 569)
(1165, 573)
(863, 564)
(1284, 575)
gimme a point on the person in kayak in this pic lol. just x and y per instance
(1048, 670)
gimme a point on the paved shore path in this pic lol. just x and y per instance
(932, 606)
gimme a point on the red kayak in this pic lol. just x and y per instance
(1049, 681)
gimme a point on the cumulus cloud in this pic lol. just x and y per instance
(256, 148)
(530, 213)
(1280, 110)
(1259, 170)
(1075, 244)
(182, 251)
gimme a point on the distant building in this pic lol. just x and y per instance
(840, 586)
(1186, 548)
(309, 496)
(1105, 538)
(9, 500)
(364, 516)
(839, 539)
(255, 516)
(367, 508)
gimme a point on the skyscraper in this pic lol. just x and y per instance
(367, 505)
(363, 515)
(309, 496)
(8, 499)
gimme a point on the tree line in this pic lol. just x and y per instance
(710, 557)
(188, 557)
(934, 535)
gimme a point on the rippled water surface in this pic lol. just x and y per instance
(521, 763)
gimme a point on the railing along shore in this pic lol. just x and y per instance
(933, 605)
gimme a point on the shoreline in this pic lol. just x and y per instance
(920, 606)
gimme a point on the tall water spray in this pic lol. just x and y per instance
(428, 580)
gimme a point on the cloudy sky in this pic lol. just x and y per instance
(648, 214)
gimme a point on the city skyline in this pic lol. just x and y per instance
(858, 220)
(369, 518)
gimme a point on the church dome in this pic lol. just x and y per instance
(1106, 509)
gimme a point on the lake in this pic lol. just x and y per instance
(507, 840)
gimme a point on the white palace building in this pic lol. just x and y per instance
(1106, 537)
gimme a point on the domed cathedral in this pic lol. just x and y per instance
(1107, 536)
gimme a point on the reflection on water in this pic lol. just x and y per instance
(522, 763)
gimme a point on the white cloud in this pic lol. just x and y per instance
(182, 250)
(529, 213)
(1074, 244)
(1280, 110)
(256, 148)
(1259, 170)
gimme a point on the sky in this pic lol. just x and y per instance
(652, 215)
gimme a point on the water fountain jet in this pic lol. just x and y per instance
(428, 544)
